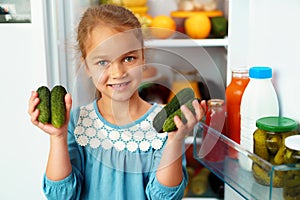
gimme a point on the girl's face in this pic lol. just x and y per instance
(115, 62)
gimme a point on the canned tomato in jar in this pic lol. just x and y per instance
(268, 141)
(291, 181)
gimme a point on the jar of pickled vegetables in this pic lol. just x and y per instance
(291, 183)
(268, 141)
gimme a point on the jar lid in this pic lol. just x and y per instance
(260, 72)
(293, 142)
(276, 124)
(215, 102)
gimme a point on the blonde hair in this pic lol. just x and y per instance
(116, 17)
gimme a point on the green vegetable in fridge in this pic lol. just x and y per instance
(260, 148)
(273, 143)
(58, 107)
(179, 99)
(279, 157)
(44, 105)
(262, 175)
(169, 124)
(290, 157)
(219, 26)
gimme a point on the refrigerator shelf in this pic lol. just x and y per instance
(229, 166)
(213, 42)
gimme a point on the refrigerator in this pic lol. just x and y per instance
(261, 32)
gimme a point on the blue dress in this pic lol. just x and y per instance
(113, 162)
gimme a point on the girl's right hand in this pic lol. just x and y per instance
(48, 128)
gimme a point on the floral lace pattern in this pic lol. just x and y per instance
(90, 130)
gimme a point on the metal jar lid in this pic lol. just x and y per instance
(276, 124)
(293, 142)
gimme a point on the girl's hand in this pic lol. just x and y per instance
(192, 120)
(48, 128)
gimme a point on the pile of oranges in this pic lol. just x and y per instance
(196, 26)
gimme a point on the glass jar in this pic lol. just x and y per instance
(268, 141)
(215, 119)
(183, 79)
(291, 182)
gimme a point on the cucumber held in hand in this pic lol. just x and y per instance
(58, 106)
(44, 105)
(169, 125)
(179, 99)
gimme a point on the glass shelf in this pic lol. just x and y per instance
(227, 160)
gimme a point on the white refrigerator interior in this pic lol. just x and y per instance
(264, 32)
(32, 54)
(23, 147)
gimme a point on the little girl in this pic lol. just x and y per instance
(108, 149)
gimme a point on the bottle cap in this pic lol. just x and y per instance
(241, 69)
(276, 124)
(293, 142)
(260, 72)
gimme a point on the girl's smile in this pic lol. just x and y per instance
(119, 86)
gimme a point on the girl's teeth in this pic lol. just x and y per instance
(119, 85)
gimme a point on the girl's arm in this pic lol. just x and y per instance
(59, 164)
(170, 171)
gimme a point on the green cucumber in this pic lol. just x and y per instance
(179, 99)
(44, 105)
(169, 124)
(58, 106)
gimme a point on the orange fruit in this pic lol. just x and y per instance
(197, 26)
(162, 26)
(134, 3)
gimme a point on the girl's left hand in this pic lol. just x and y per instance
(192, 120)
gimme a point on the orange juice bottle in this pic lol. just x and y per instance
(234, 92)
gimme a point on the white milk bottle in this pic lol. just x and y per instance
(259, 100)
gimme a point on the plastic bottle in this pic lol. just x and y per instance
(259, 100)
(234, 92)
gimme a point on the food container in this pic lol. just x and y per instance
(197, 5)
(180, 17)
(268, 141)
(183, 79)
(233, 174)
(291, 183)
(215, 119)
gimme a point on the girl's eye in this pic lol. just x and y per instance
(103, 63)
(129, 59)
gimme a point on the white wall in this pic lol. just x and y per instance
(22, 69)
(265, 32)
